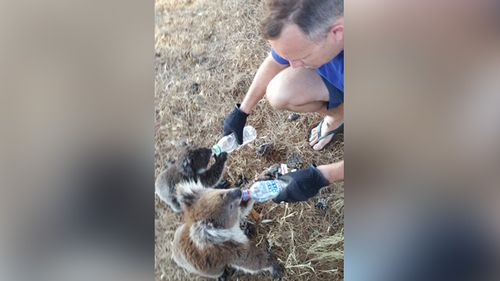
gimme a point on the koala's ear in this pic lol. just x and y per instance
(188, 193)
(188, 199)
(186, 167)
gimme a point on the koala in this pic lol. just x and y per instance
(192, 166)
(211, 240)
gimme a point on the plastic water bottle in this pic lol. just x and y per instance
(263, 190)
(229, 142)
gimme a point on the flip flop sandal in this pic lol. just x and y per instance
(332, 132)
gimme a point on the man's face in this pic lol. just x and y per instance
(300, 51)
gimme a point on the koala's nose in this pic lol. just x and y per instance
(234, 193)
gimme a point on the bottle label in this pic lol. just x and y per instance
(273, 187)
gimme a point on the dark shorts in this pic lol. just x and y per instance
(336, 95)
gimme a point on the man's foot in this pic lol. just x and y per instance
(322, 134)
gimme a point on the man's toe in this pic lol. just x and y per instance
(322, 143)
(313, 136)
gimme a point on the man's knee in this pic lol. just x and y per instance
(276, 94)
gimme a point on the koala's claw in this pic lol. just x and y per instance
(277, 271)
(250, 230)
(228, 272)
(222, 184)
(222, 157)
(222, 278)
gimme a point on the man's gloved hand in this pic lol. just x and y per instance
(235, 122)
(301, 185)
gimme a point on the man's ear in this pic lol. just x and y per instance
(337, 30)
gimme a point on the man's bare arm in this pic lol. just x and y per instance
(266, 72)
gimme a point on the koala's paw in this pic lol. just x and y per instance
(222, 184)
(221, 157)
(249, 229)
(242, 180)
(228, 272)
(277, 271)
(223, 278)
(267, 246)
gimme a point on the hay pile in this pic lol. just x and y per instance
(207, 52)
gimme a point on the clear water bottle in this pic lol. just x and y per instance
(229, 142)
(263, 190)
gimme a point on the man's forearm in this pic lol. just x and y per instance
(266, 72)
(333, 172)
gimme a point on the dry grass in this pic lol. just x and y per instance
(207, 52)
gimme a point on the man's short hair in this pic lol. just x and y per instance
(313, 17)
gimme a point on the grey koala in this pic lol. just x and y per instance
(191, 167)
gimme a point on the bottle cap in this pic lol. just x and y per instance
(245, 195)
(216, 150)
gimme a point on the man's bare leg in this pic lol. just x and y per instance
(303, 90)
(300, 90)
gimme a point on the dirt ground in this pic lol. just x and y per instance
(206, 53)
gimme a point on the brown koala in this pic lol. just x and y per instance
(191, 167)
(211, 239)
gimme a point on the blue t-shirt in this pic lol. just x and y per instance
(332, 71)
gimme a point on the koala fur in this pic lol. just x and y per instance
(210, 240)
(191, 167)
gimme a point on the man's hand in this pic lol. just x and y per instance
(234, 123)
(301, 185)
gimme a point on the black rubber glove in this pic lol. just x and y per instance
(301, 185)
(235, 122)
